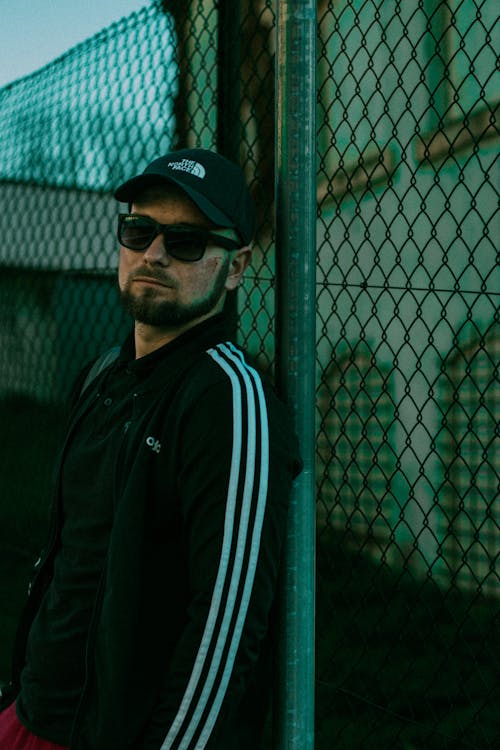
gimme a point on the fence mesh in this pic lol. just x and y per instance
(407, 317)
(408, 459)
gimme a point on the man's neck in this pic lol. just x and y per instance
(149, 338)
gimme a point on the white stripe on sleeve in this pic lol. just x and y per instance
(241, 544)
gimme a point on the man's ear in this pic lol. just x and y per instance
(240, 261)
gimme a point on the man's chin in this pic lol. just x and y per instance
(149, 309)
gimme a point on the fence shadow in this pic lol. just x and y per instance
(400, 662)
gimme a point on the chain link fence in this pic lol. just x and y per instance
(408, 458)
(408, 602)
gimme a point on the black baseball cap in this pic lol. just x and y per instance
(215, 184)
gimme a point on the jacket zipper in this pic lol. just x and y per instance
(92, 632)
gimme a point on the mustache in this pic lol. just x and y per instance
(153, 274)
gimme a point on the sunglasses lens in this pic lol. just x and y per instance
(185, 244)
(136, 232)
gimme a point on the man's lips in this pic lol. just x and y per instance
(152, 280)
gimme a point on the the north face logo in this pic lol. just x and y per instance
(187, 165)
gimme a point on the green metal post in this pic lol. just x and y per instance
(296, 318)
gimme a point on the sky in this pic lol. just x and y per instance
(35, 32)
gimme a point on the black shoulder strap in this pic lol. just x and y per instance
(99, 365)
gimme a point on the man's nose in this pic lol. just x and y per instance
(156, 253)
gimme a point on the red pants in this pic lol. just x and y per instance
(14, 736)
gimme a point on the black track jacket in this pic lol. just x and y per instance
(178, 649)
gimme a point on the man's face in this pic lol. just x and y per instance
(161, 291)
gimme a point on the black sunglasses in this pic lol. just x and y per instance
(182, 241)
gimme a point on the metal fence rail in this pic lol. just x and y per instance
(295, 355)
(407, 324)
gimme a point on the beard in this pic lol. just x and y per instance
(148, 308)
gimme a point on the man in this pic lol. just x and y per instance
(150, 619)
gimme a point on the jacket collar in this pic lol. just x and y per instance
(195, 339)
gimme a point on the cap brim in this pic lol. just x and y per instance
(127, 192)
